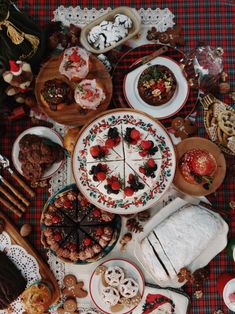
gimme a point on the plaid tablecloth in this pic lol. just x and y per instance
(210, 21)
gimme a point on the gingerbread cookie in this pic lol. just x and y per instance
(172, 36)
(69, 307)
(73, 288)
(183, 127)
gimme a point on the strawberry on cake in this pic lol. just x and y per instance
(75, 63)
(89, 94)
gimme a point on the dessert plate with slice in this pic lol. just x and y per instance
(160, 88)
(201, 166)
(46, 134)
(124, 161)
(116, 286)
(180, 236)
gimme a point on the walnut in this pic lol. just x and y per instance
(125, 239)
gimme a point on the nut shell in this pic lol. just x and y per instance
(25, 230)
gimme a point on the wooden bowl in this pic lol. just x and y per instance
(204, 144)
(73, 114)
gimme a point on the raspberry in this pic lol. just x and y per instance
(110, 143)
(115, 186)
(101, 176)
(87, 241)
(96, 212)
(99, 231)
(128, 191)
(55, 219)
(143, 153)
(105, 150)
(133, 142)
(142, 170)
(146, 144)
(135, 135)
(57, 237)
(117, 140)
(151, 163)
(131, 177)
(95, 151)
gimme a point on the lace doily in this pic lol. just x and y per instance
(161, 19)
(25, 262)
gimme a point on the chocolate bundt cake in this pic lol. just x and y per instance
(12, 283)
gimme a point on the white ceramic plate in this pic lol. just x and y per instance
(40, 131)
(89, 136)
(96, 286)
(166, 110)
(229, 288)
(152, 293)
(215, 247)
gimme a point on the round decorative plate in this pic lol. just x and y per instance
(218, 178)
(73, 114)
(96, 285)
(137, 188)
(132, 57)
(75, 230)
(130, 90)
(43, 132)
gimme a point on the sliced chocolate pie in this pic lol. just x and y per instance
(76, 230)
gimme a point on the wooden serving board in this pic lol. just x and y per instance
(45, 272)
(73, 114)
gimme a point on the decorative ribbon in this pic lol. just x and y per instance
(17, 36)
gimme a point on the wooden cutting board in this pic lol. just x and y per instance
(73, 114)
(45, 272)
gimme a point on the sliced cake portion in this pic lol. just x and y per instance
(113, 139)
(113, 185)
(147, 169)
(134, 185)
(152, 260)
(99, 172)
(186, 233)
(153, 240)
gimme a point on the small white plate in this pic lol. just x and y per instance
(130, 90)
(229, 288)
(43, 132)
(215, 247)
(96, 286)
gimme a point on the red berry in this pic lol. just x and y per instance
(131, 177)
(96, 212)
(55, 219)
(110, 143)
(105, 150)
(133, 142)
(143, 153)
(142, 170)
(135, 135)
(87, 241)
(95, 151)
(146, 144)
(116, 186)
(151, 163)
(67, 204)
(117, 140)
(57, 237)
(128, 191)
(99, 231)
(101, 176)
(73, 247)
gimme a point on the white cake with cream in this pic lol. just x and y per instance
(178, 240)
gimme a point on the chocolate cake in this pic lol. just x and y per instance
(157, 85)
(12, 283)
(76, 230)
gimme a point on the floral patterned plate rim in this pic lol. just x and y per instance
(123, 118)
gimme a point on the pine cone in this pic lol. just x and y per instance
(144, 216)
(134, 226)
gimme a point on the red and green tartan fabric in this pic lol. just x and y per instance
(210, 21)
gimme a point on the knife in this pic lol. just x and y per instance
(146, 59)
(197, 201)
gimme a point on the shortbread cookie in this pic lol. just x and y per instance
(110, 296)
(114, 275)
(218, 107)
(226, 121)
(128, 288)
